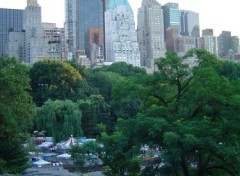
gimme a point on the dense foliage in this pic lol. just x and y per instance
(15, 100)
(51, 79)
(16, 114)
(190, 113)
(60, 119)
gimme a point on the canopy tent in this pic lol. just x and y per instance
(45, 144)
(41, 163)
(64, 156)
(70, 142)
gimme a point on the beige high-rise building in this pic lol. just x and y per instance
(150, 32)
(29, 45)
(54, 41)
(208, 43)
(34, 40)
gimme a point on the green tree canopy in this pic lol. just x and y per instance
(124, 69)
(127, 97)
(51, 79)
(89, 118)
(191, 114)
(13, 158)
(103, 82)
(60, 119)
(16, 114)
(15, 100)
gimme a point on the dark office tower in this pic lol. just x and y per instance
(207, 32)
(90, 15)
(189, 24)
(171, 15)
(224, 43)
(11, 20)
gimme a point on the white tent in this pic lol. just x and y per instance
(70, 142)
(45, 144)
(64, 156)
(41, 163)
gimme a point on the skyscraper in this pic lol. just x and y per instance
(208, 42)
(235, 44)
(121, 37)
(29, 45)
(171, 14)
(81, 16)
(55, 41)
(150, 32)
(32, 25)
(224, 43)
(11, 20)
(207, 32)
(189, 24)
(71, 28)
(90, 15)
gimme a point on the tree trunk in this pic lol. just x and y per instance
(201, 170)
(184, 167)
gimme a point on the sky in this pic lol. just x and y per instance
(218, 15)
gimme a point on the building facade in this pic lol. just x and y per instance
(29, 45)
(34, 39)
(90, 15)
(189, 24)
(150, 32)
(185, 43)
(171, 14)
(55, 41)
(235, 44)
(16, 45)
(71, 28)
(11, 20)
(95, 49)
(207, 32)
(121, 36)
(81, 16)
(224, 43)
(208, 43)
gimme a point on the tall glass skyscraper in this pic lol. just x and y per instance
(82, 16)
(90, 16)
(171, 15)
(11, 20)
(189, 24)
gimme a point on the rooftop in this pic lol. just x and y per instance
(114, 3)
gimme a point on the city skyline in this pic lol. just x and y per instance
(218, 16)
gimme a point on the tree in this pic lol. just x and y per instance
(229, 69)
(103, 82)
(103, 113)
(15, 100)
(127, 98)
(13, 158)
(89, 118)
(191, 114)
(125, 70)
(120, 154)
(87, 152)
(60, 119)
(51, 79)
